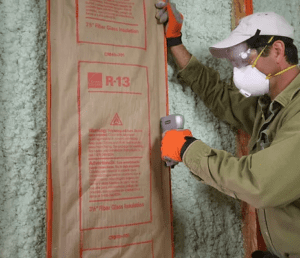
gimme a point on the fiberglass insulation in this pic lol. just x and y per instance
(206, 222)
(22, 128)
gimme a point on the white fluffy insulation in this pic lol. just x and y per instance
(23, 73)
(206, 222)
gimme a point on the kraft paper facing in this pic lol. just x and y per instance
(108, 190)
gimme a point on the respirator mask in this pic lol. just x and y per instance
(246, 77)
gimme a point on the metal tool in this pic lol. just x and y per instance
(170, 122)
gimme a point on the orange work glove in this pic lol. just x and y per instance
(168, 12)
(171, 144)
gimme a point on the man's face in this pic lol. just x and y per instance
(266, 64)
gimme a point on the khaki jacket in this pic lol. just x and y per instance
(269, 177)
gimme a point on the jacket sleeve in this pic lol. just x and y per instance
(268, 178)
(224, 100)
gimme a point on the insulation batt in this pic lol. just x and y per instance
(206, 223)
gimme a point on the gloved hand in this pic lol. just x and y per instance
(172, 143)
(168, 12)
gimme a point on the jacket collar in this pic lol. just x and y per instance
(286, 96)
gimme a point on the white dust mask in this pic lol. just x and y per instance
(250, 81)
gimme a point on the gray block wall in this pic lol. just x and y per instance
(206, 222)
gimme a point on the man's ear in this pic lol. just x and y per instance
(278, 48)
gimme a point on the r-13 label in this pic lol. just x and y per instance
(100, 81)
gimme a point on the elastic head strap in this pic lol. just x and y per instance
(281, 72)
(255, 61)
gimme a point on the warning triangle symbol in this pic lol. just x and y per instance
(116, 120)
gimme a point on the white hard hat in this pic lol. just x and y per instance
(264, 23)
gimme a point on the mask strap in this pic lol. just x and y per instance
(255, 61)
(281, 72)
(269, 75)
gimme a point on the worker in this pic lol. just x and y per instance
(264, 101)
